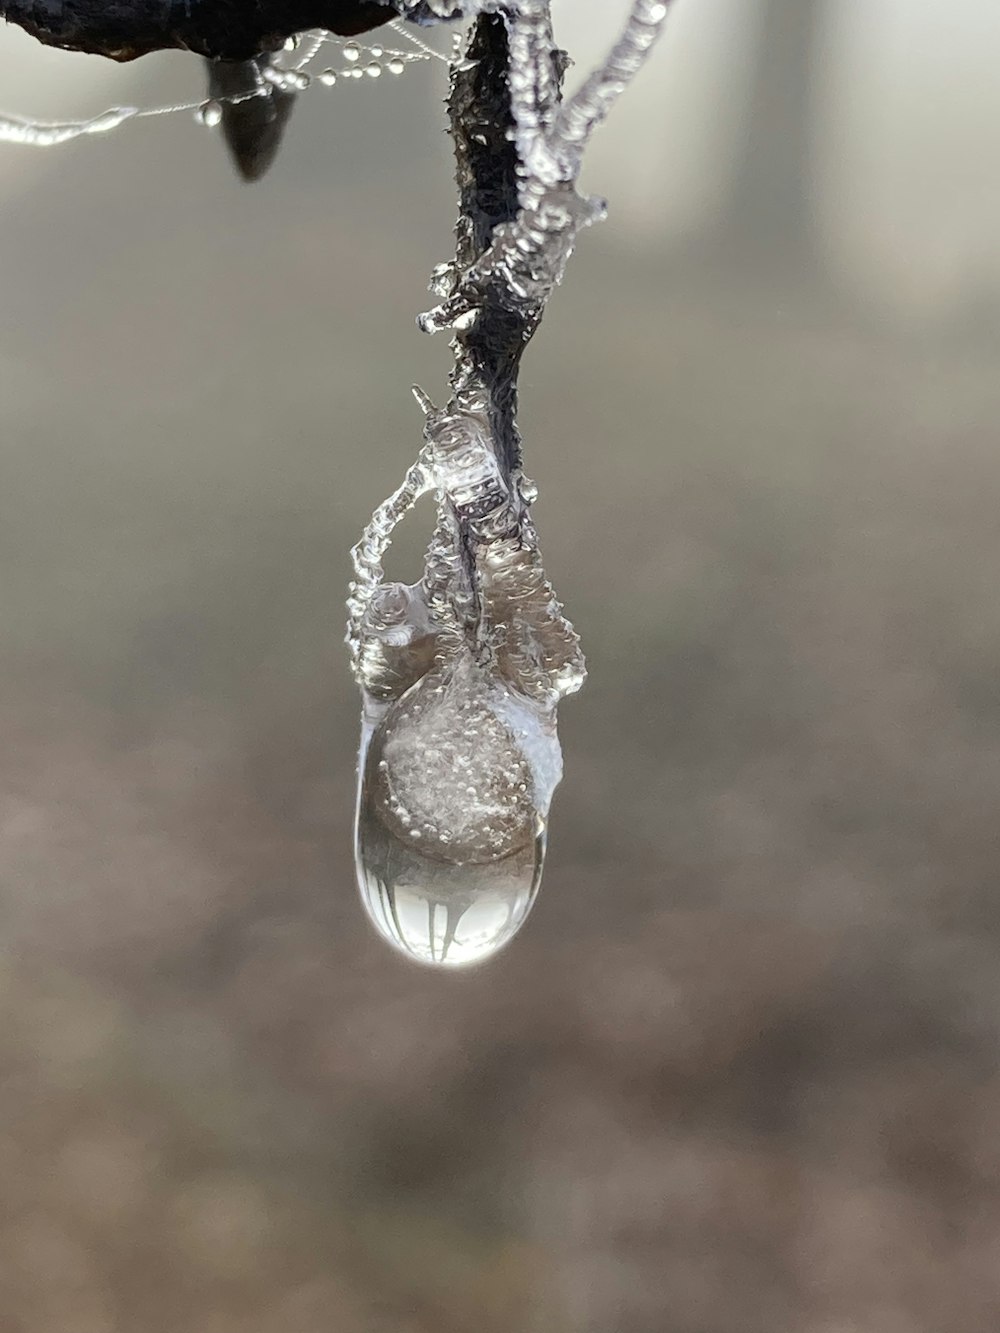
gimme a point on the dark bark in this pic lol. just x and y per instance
(488, 354)
(219, 29)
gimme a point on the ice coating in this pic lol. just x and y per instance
(249, 99)
(461, 675)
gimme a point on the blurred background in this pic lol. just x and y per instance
(738, 1073)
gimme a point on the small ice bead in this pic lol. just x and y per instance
(395, 66)
(328, 78)
(449, 842)
(209, 114)
(373, 70)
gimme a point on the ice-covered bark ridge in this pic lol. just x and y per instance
(461, 674)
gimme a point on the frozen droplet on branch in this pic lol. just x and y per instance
(456, 779)
(462, 673)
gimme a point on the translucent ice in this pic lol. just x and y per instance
(462, 673)
(456, 779)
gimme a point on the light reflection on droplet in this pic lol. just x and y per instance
(439, 913)
(209, 114)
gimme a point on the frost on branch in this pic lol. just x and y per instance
(461, 673)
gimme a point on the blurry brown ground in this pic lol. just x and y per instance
(739, 1072)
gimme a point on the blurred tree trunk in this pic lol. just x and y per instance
(766, 220)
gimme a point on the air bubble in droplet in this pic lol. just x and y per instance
(328, 77)
(396, 66)
(373, 70)
(209, 114)
(352, 52)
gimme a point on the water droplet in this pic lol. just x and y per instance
(376, 51)
(529, 490)
(352, 52)
(449, 853)
(373, 70)
(395, 66)
(328, 77)
(209, 113)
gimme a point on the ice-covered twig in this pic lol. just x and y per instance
(528, 253)
(518, 156)
(587, 108)
(461, 675)
(369, 552)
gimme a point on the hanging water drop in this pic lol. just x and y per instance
(328, 78)
(456, 778)
(352, 52)
(209, 114)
